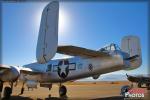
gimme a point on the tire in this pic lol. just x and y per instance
(7, 92)
(62, 91)
(124, 90)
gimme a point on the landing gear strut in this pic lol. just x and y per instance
(22, 89)
(62, 91)
(148, 86)
(139, 85)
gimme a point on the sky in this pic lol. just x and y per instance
(86, 24)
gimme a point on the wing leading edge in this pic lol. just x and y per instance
(79, 51)
(21, 69)
(30, 71)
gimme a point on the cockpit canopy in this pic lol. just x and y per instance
(110, 47)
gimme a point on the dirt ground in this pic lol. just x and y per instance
(76, 91)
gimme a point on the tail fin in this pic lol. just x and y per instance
(131, 45)
(48, 33)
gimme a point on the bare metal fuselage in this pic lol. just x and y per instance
(62, 70)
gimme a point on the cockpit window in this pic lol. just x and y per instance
(111, 47)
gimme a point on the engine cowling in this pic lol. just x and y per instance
(11, 75)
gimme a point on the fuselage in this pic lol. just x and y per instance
(61, 70)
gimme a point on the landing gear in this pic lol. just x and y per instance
(124, 90)
(148, 86)
(139, 85)
(62, 91)
(132, 85)
(8, 91)
(22, 89)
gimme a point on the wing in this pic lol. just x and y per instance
(4, 68)
(78, 51)
(22, 70)
(30, 71)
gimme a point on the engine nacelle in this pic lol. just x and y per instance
(31, 84)
(11, 75)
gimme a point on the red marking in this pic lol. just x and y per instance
(138, 91)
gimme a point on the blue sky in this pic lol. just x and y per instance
(87, 24)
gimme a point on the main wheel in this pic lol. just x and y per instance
(62, 91)
(7, 92)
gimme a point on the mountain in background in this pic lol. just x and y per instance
(113, 77)
(107, 77)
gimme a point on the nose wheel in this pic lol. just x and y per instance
(62, 91)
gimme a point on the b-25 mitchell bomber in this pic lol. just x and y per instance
(85, 63)
(140, 80)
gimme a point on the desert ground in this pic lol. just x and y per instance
(76, 91)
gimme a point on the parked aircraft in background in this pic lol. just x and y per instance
(140, 80)
(85, 63)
